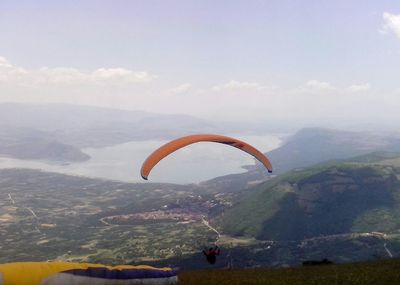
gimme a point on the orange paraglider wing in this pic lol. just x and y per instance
(174, 145)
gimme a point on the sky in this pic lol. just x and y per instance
(296, 62)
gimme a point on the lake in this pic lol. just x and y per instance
(192, 164)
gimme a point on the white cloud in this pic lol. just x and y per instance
(181, 88)
(121, 73)
(8, 72)
(359, 87)
(237, 85)
(4, 63)
(64, 75)
(56, 76)
(316, 85)
(391, 23)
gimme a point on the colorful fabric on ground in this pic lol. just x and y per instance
(66, 273)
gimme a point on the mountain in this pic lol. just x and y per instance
(84, 126)
(56, 132)
(313, 145)
(359, 195)
(32, 144)
(306, 148)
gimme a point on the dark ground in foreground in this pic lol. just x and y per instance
(379, 272)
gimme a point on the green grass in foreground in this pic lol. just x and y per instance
(381, 272)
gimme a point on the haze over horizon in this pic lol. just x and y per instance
(277, 61)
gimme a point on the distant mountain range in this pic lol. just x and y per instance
(58, 132)
(307, 147)
(85, 126)
(313, 145)
(73, 127)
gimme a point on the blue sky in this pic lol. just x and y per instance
(308, 61)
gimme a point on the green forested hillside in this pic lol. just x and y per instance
(360, 195)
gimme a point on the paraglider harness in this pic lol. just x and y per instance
(211, 254)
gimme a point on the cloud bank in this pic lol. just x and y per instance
(314, 100)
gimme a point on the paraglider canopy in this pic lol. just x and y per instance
(176, 144)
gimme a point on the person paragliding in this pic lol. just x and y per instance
(154, 158)
(211, 254)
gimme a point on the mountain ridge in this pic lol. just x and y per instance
(327, 199)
